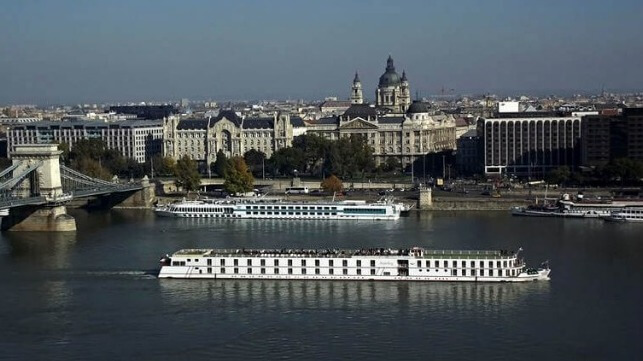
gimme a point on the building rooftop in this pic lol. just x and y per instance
(360, 110)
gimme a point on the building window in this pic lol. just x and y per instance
(249, 270)
(276, 271)
(236, 270)
(372, 272)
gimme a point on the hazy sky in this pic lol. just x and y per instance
(136, 50)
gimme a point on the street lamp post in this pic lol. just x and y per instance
(444, 171)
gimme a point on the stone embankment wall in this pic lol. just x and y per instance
(474, 204)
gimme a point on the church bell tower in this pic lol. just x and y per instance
(356, 91)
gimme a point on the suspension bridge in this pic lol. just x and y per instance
(36, 187)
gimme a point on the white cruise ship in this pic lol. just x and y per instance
(415, 264)
(282, 209)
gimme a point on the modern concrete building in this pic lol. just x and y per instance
(609, 137)
(469, 155)
(530, 143)
(136, 139)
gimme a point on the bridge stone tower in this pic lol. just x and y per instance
(46, 159)
(42, 161)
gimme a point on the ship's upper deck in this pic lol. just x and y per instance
(347, 253)
(281, 201)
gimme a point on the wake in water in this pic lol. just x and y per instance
(132, 274)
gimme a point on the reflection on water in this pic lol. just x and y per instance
(281, 224)
(347, 294)
(47, 250)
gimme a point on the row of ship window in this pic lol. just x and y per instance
(331, 263)
(331, 271)
(290, 271)
(292, 207)
(289, 213)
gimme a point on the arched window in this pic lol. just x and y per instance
(226, 141)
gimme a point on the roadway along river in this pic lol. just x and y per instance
(89, 295)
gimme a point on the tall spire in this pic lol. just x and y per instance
(356, 80)
(404, 76)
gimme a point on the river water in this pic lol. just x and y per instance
(92, 295)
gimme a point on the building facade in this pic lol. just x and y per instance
(406, 137)
(530, 143)
(202, 139)
(135, 139)
(609, 137)
(469, 156)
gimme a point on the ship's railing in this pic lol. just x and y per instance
(262, 201)
(344, 253)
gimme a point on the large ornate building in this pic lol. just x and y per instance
(394, 127)
(201, 139)
(408, 136)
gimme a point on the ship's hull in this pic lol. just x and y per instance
(522, 212)
(190, 273)
(618, 219)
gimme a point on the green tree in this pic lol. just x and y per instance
(91, 167)
(332, 184)
(64, 147)
(163, 166)
(238, 178)
(392, 164)
(221, 164)
(113, 160)
(560, 175)
(255, 161)
(187, 174)
(287, 160)
(92, 148)
(625, 170)
(362, 154)
(314, 148)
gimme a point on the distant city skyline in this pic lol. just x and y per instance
(120, 51)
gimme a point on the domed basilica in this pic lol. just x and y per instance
(394, 126)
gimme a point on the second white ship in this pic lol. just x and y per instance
(281, 209)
